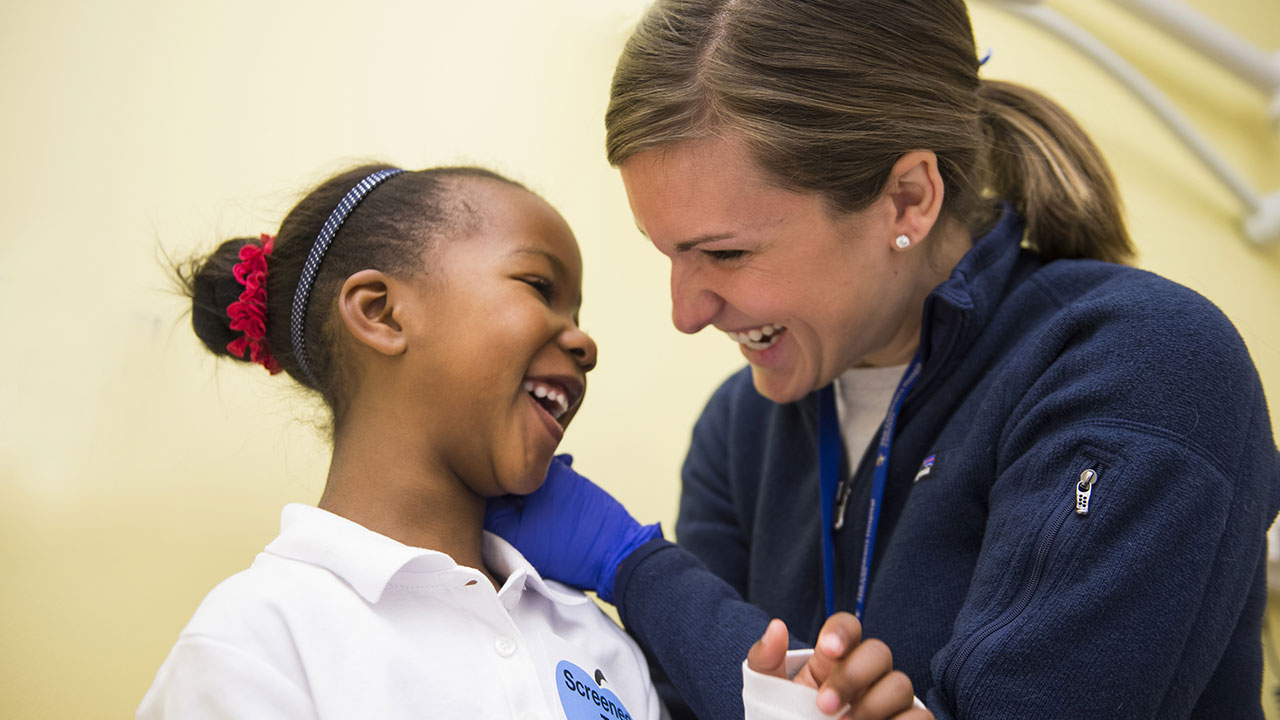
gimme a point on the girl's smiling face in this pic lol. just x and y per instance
(502, 363)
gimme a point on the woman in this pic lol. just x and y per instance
(1042, 478)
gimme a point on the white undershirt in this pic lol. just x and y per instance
(863, 395)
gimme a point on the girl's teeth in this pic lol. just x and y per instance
(542, 392)
(755, 335)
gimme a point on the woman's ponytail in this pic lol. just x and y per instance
(1040, 160)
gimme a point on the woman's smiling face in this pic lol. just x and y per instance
(805, 292)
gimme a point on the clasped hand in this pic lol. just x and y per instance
(847, 671)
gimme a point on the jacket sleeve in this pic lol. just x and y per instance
(692, 623)
(686, 608)
(714, 514)
(1123, 561)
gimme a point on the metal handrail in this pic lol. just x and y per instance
(1262, 222)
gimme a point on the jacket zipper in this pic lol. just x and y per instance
(1083, 491)
(1084, 488)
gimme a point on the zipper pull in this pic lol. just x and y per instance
(843, 490)
(1083, 489)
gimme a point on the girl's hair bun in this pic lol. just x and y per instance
(390, 230)
(210, 284)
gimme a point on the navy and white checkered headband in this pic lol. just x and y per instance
(298, 315)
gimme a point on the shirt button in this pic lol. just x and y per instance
(504, 646)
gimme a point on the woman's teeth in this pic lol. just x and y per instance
(758, 338)
(548, 396)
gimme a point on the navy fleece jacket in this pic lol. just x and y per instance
(996, 597)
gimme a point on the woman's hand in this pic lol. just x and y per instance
(844, 670)
(570, 529)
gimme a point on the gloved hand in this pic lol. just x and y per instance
(570, 529)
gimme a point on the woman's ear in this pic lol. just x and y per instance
(367, 307)
(915, 186)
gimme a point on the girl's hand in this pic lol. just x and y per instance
(844, 670)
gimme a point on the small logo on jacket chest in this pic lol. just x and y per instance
(926, 467)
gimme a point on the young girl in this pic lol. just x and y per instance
(436, 312)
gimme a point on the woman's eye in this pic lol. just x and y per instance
(725, 255)
(544, 286)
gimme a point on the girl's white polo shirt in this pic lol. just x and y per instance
(335, 621)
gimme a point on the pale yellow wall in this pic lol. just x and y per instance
(136, 472)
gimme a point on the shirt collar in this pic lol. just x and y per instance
(368, 561)
(504, 559)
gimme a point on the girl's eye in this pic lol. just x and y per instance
(544, 286)
(725, 255)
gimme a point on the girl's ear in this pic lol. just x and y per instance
(367, 308)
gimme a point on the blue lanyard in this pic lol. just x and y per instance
(835, 490)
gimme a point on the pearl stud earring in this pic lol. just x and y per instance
(903, 242)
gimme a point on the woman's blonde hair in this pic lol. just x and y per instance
(828, 94)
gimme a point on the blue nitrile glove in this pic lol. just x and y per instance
(570, 529)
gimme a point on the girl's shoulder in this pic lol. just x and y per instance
(262, 605)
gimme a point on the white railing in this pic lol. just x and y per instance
(1262, 221)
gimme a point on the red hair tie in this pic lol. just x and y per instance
(249, 313)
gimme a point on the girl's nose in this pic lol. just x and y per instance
(580, 345)
(693, 305)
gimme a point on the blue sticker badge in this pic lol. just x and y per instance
(583, 697)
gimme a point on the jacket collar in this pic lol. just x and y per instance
(958, 309)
